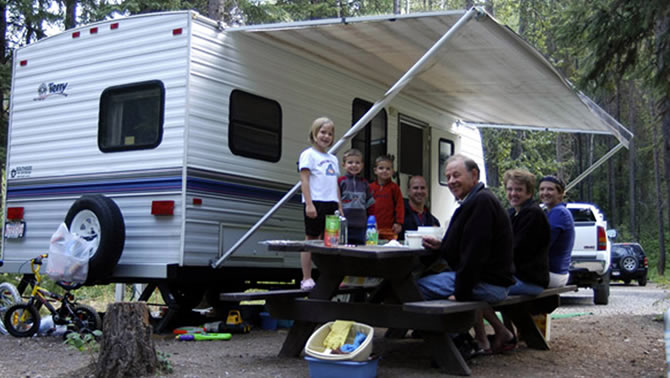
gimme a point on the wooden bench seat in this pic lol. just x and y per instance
(258, 295)
(284, 293)
(445, 306)
(518, 308)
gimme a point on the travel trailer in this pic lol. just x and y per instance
(163, 138)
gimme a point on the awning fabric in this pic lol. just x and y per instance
(486, 75)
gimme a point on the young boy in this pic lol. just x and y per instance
(389, 208)
(356, 196)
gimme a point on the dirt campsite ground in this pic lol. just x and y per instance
(622, 339)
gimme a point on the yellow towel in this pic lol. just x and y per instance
(339, 331)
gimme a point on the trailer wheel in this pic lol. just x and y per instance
(98, 219)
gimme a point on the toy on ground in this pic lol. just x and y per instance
(338, 334)
(204, 336)
(234, 323)
(188, 330)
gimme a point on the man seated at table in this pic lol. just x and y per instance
(416, 212)
(477, 247)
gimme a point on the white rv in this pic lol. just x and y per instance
(165, 137)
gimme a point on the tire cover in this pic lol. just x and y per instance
(112, 234)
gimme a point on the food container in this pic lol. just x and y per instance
(413, 239)
(331, 234)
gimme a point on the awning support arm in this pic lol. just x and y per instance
(367, 117)
(595, 165)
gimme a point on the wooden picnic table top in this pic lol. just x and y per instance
(356, 251)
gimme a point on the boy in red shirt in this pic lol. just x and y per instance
(389, 208)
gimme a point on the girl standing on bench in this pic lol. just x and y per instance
(319, 171)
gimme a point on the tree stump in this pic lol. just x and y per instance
(127, 349)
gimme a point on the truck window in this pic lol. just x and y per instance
(254, 127)
(582, 215)
(371, 141)
(131, 117)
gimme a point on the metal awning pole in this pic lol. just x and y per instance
(593, 167)
(367, 117)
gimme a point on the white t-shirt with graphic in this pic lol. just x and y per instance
(324, 172)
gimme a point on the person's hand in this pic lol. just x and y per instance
(430, 242)
(396, 228)
(310, 211)
(452, 298)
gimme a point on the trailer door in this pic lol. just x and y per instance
(413, 151)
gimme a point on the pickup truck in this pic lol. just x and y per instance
(590, 262)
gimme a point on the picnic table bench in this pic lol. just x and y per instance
(518, 308)
(281, 294)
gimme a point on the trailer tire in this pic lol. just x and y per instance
(97, 218)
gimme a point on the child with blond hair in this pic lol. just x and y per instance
(318, 181)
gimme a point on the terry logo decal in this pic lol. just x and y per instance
(51, 89)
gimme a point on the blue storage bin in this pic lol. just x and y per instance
(338, 369)
(267, 321)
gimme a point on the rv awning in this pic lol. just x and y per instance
(485, 75)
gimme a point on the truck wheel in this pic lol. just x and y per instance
(98, 219)
(601, 291)
(642, 281)
(8, 296)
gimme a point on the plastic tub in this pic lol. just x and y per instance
(414, 240)
(267, 321)
(316, 349)
(338, 369)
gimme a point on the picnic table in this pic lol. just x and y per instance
(397, 304)
(395, 266)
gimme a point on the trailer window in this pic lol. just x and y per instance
(131, 117)
(446, 148)
(371, 141)
(254, 128)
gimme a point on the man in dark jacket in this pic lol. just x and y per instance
(477, 245)
(416, 212)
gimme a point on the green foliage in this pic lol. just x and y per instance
(84, 342)
(164, 363)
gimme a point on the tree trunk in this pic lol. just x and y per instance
(127, 349)
(659, 201)
(215, 10)
(662, 46)
(589, 178)
(632, 157)
(70, 14)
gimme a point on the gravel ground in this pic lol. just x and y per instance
(622, 339)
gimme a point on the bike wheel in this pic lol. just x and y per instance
(87, 319)
(8, 296)
(22, 320)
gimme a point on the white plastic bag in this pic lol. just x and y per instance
(68, 256)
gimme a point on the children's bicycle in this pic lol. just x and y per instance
(23, 319)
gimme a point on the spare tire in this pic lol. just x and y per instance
(98, 219)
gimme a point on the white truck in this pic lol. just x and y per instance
(164, 138)
(591, 253)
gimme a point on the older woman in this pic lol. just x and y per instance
(530, 245)
(531, 234)
(552, 190)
